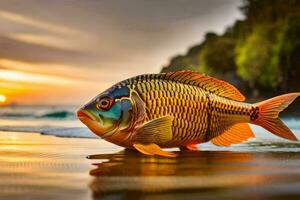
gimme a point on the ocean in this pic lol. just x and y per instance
(61, 121)
(49, 120)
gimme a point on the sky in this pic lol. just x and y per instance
(68, 51)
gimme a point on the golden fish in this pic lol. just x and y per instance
(179, 109)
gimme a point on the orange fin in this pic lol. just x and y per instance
(191, 147)
(152, 149)
(268, 115)
(235, 135)
(207, 83)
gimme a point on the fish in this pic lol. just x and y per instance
(180, 109)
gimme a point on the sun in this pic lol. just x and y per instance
(2, 98)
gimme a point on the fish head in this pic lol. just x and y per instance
(109, 112)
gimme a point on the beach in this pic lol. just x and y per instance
(35, 166)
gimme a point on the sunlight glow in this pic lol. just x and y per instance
(2, 98)
(18, 76)
(43, 83)
(52, 69)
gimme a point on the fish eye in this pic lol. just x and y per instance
(104, 103)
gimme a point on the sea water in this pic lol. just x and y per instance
(61, 121)
(49, 120)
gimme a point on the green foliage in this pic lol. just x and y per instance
(263, 49)
(218, 56)
(180, 63)
(289, 55)
(257, 60)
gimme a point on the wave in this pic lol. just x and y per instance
(31, 112)
(77, 132)
(57, 114)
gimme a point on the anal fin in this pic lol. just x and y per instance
(152, 149)
(234, 135)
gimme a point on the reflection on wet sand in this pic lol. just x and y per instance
(34, 166)
(197, 175)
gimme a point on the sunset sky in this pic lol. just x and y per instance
(67, 51)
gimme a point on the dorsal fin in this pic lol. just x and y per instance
(235, 135)
(207, 83)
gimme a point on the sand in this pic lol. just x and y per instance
(34, 166)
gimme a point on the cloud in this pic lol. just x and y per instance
(44, 40)
(53, 69)
(22, 19)
(26, 51)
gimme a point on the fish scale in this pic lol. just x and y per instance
(190, 107)
(225, 112)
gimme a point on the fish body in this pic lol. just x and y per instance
(198, 115)
(179, 109)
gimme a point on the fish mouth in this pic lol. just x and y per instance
(91, 122)
(83, 115)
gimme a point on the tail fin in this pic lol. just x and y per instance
(268, 115)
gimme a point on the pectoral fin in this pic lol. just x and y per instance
(152, 149)
(156, 131)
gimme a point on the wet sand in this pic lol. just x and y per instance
(34, 166)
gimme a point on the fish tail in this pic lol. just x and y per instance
(267, 115)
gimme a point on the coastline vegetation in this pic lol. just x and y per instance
(259, 54)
